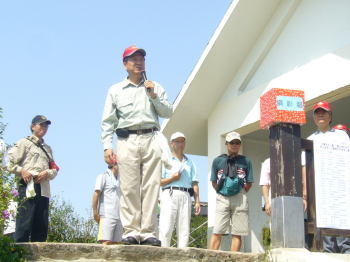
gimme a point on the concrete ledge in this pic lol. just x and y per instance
(303, 255)
(96, 252)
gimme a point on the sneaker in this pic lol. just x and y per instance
(152, 241)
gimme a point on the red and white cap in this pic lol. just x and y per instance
(341, 127)
(131, 50)
(324, 105)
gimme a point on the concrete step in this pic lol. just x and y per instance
(96, 252)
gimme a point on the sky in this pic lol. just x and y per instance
(59, 58)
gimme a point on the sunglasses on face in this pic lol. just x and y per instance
(234, 143)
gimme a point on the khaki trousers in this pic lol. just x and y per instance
(140, 166)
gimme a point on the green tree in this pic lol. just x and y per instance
(67, 226)
(266, 242)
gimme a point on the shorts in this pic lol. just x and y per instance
(110, 229)
(234, 211)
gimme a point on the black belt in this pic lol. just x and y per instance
(143, 131)
(179, 188)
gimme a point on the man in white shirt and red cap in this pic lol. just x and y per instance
(341, 127)
(325, 132)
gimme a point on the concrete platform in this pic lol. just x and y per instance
(96, 252)
(303, 255)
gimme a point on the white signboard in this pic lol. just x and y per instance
(332, 184)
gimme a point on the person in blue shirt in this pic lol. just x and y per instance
(176, 201)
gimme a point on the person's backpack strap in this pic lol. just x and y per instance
(42, 148)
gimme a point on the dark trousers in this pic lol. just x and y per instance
(336, 244)
(32, 217)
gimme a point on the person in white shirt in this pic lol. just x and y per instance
(342, 127)
(5, 162)
(10, 223)
(105, 205)
(265, 183)
(325, 132)
(176, 201)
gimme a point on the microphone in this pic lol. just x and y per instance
(144, 78)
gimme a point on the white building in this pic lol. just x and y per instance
(259, 45)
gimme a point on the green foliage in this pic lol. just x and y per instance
(196, 221)
(67, 226)
(266, 237)
(266, 242)
(10, 252)
(2, 125)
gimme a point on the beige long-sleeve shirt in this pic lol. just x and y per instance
(130, 106)
(25, 154)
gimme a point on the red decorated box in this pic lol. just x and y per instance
(282, 106)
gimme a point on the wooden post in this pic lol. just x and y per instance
(287, 218)
(282, 111)
(285, 159)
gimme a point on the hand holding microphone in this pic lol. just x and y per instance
(148, 84)
(144, 78)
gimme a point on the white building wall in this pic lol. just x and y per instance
(312, 54)
(257, 151)
(317, 28)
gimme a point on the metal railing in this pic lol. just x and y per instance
(192, 238)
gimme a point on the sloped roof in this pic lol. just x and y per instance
(231, 43)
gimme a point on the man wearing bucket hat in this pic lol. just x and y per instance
(34, 165)
(325, 132)
(132, 109)
(232, 177)
(179, 184)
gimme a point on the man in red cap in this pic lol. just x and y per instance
(341, 127)
(132, 109)
(325, 132)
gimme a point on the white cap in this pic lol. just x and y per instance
(232, 136)
(176, 135)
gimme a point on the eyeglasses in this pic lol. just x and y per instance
(234, 143)
(136, 60)
(179, 142)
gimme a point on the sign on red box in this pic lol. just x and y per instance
(282, 106)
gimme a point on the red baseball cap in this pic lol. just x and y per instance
(341, 127)
(132, 49)
(324, 105)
